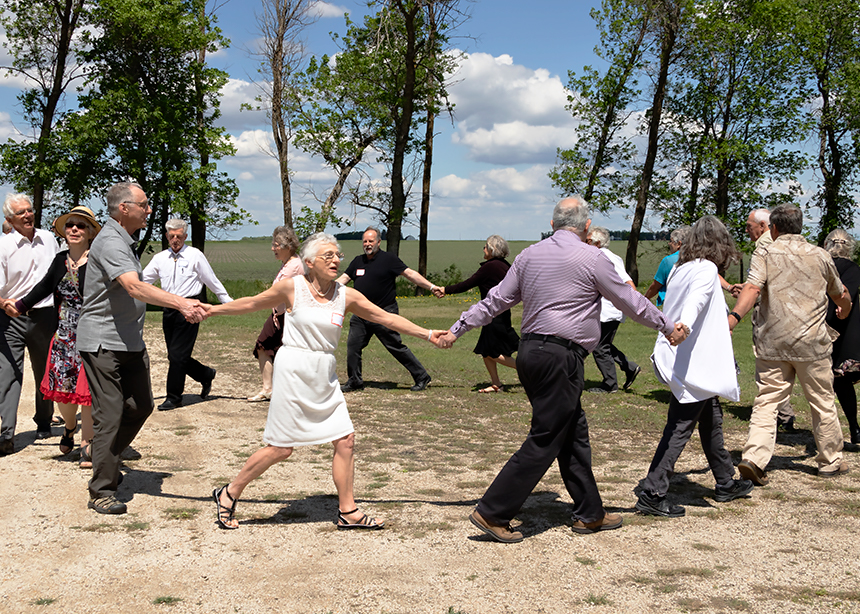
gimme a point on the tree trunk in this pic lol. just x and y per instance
(669, 36)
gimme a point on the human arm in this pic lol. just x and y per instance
(358, 304)
(843, 304)
(418, 279)
(208, 278)
(473, 282)
(281, 292)
(46, 286)
(746, 301)
(500, 298)
(653, 289)
(142, 291)
(344, 279)
(151, 272)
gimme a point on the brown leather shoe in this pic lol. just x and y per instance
(842, 468)
(607, 523)
(750, 471)
(500, 533)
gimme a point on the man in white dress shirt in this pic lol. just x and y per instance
(26, 253)
(183, 270)
(606, 355)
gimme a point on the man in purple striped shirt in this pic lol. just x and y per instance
(560, 282)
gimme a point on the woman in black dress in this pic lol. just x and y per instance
(498, 340)
(846, 349)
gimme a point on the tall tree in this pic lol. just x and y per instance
(669, 17)
(40, 38)
(828, 37)
(598, 168)
(281, 24)
(143, 106)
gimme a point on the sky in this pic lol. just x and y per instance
(490, 162)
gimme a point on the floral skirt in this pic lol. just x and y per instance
(65, 380)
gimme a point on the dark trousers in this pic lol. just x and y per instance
(122, 401)
(681, 421)
(606, 355)
(32, 331)
(360, 333)
(179, 337)
(843, 386)
(552, 378)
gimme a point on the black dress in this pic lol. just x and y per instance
(498, 338)
(846, 349)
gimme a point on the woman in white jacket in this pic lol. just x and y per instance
(697, 371)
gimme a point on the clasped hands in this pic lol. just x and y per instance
(194, 311)
(9, 307)
(680, 332)
(442, 339)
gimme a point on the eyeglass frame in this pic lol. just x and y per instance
(329, 256)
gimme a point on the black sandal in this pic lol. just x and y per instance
(86, 461)
(364, 523)
(223, 510)
(67, 441)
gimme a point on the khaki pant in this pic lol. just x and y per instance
(775, 380)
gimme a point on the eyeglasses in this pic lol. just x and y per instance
(24, 212)
(143, 204)
(78, 225)
(329, 256)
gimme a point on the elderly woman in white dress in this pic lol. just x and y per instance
(697, 371)
(307, 405)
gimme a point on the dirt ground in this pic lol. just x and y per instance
(790, 547)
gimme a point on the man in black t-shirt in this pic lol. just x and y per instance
(374, 273)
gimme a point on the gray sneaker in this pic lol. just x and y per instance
(107, 505)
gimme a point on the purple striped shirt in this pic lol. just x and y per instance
(560, 281)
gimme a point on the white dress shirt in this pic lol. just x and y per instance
(702, 366)
(183, 273)
(23, 264)
(608, 311)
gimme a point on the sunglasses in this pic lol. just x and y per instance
(78, 225)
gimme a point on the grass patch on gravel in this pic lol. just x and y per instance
(181, 513)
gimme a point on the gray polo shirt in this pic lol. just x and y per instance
(110, 317)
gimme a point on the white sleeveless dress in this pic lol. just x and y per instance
(307, 405)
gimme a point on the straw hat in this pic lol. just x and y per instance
(79, 211)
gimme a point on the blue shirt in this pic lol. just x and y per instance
(662, 275)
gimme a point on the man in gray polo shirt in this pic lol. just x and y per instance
(110, 339)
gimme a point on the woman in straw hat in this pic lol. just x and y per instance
(65, 381)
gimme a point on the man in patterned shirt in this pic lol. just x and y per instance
(791, 339)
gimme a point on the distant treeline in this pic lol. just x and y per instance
(623, 235)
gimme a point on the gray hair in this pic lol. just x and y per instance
(680, 234)
(286, 237)
(761, 215)
(599, 236)
(709, 239)
(311, 247)
(787, 219)
(839, 244)
(374, 229)
(497, 247)
(117, 194)
(13, 198)
(176, 224)
(570, 214)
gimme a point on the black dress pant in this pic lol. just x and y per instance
(179, 337)
(606, 356)
(553, 380)
(681, 421)
(360, 333)
(32, 331)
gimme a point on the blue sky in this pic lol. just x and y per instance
(490, 168)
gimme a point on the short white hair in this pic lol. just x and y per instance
(176, 224)
(761, 215)
(599, 236)
(311, 247)
(12, 198)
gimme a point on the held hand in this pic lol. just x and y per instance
(190, 310)
(679, 334)
(736, 290)
(840, 313)
(445, 339)
(9, 308)
(438, 291)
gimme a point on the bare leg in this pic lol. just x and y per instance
(266, 370)
(490, 363)
(69, 413)
(254, 467)
(508, 361)
(343, 473)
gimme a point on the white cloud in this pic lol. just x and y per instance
(234, 94)
(507, 113)
(326, 9)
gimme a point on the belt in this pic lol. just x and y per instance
(571, 345)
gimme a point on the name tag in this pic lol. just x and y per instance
(359, 272)
(337, 319)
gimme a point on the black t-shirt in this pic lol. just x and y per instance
(376, 278)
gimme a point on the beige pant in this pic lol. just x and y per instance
(775, 380)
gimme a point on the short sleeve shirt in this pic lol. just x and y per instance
(795, 279)
(376, 278)
(662, 275)
(110, 318)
